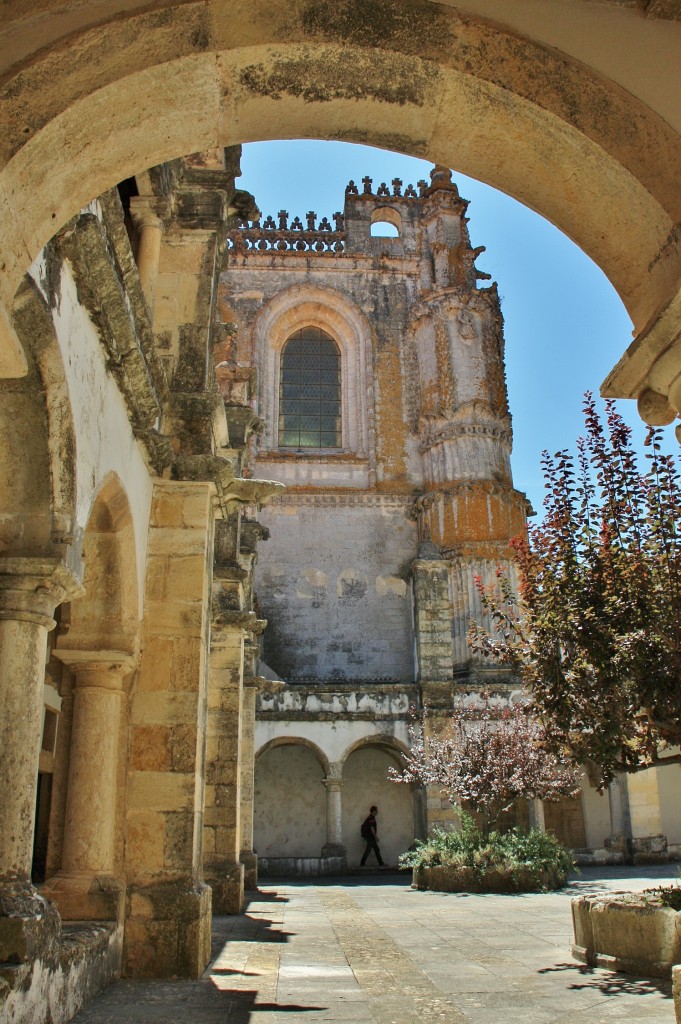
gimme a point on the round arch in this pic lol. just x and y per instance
(107, 616)
(365, 781)
(514, 111)
(289, 799)
(300, 741)
(387, 215)
(384, 741)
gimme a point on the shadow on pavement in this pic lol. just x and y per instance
(609, 983)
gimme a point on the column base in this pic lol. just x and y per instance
(334, 850)
(30, 926)
(86, 897)
(227, 883)
(167, 930)
(250, 863)
(649, 850)
(617, 842)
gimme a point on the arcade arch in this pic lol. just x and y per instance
(530, 105)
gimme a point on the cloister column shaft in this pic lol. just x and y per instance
(30, 590)
(248, 857)
(84, 888)
(150, 228)
(90, 805)
(334, 817)
(537, 816)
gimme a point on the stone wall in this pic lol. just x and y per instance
(337, 570)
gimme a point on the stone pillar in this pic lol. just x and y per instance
(30, 590)
(432, 620)
(150, 228)
(618, 842)
(168, 906)
(248, 856)
(222, 816)
(85, 888)
(648, 843)
(333, 846)
(536, 813)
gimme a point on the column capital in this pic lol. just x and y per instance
(334, 774)
(31, 589)
(103, 670)
(149, 212)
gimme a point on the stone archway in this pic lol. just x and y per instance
(289, 801)
(366, 782)
(98, 648)
(531, 110)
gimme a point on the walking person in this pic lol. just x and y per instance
(369, 834)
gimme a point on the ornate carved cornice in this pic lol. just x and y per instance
(451, 430)
(327, 499)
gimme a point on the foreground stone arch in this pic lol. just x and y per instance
(101, 101)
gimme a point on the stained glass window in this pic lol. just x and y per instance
(309, 392)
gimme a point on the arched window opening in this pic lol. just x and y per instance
(309, 392)
(383, 229)
(386, 222)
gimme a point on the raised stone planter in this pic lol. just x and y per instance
(623, 932)
(453, 878)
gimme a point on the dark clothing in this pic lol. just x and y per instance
(372, 844)
(369, 835)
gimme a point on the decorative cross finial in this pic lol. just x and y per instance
(283, 220)
(367, 182)
(397, 186)
(311, 216)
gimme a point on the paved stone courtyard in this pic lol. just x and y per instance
(373, 951)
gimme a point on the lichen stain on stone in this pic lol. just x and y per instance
(333, 75)
(668, 249)
(406, 26)
(393, 141)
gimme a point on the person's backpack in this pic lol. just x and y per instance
(365, 830)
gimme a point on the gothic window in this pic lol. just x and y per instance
(310, 391)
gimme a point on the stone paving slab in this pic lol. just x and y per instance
(370, 950)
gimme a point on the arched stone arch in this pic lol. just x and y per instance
(107, 616)
(286, 741)
(387, 215)
(522, 109)
(311, 306)
(37, 440)
(365, 781)
(385, 741)
(289, 809)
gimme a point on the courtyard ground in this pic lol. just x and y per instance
(371, 950)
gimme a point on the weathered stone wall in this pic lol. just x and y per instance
(334, 588)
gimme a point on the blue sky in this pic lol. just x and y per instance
(565, 325)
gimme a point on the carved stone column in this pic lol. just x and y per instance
(333, 847)
(30, 590)
(85, 888)
(248, 856)
(537, 818)
(618, 842)
(150, 227)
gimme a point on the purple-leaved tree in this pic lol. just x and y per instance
(594, 631)
(488, 756)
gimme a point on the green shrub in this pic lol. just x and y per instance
(530, 850)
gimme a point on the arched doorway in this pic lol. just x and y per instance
(366, 782)
(289, 802)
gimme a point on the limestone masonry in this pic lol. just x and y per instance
(262, 461)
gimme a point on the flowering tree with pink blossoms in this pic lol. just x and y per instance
(487, 757)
